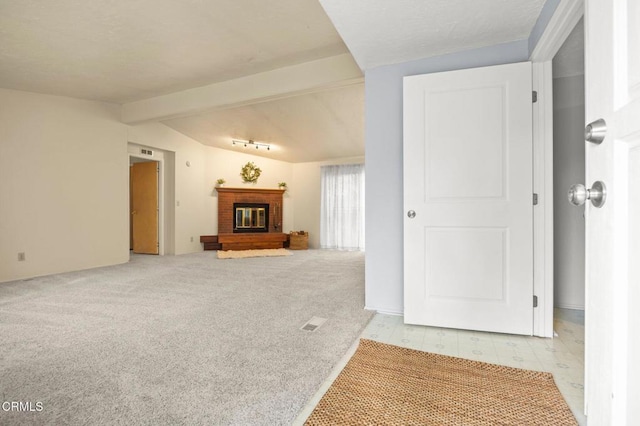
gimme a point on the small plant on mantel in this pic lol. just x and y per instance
(221, 182)
(282, 185)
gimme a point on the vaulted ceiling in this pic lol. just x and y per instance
(128, 52)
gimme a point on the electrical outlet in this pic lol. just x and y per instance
(21, 257)
(191, 239)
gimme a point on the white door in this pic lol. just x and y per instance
(612, 72)
(468, 249)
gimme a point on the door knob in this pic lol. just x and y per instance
(595, 131)
(411, 214)
(578, 194)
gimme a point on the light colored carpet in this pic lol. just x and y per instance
(178, 339)
(243, 254)
(391, 385)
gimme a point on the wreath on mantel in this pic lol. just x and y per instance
(250, 172)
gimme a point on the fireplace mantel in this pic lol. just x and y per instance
(251, 190)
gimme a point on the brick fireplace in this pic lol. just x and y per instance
(230, 199)
(227, 197)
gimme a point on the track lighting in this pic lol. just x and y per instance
(250, 143)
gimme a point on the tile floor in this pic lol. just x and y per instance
(563, 355)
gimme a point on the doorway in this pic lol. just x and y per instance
(144, 206)
(569, 220)
(569, 169)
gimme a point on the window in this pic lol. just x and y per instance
(342, 207)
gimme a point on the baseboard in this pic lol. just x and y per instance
(384, 311)
(569, 306)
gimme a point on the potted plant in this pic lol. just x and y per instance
(282, 185)
(221, 182)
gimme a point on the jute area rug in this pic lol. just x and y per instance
(390, 385)
(241, 254)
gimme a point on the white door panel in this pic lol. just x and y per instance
(458, 166)
(612, 82)
(468, 176)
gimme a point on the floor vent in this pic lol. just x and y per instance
(313, 324)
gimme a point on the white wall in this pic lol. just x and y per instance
(384, 181)
(307, 190)
(568, 169)
(63, 185)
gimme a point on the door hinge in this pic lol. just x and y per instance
(534, 96)
(535, 301)
(535, 199)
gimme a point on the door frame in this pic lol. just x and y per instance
(564, 19)
(161, 233)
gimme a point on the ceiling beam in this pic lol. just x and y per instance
(321, 74)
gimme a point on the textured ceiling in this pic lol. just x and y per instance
(312, 127)
(569, 61)
(128, 50)
(382, 32)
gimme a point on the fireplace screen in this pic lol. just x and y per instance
(251, 218)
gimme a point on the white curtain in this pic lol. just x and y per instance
(342, 207)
